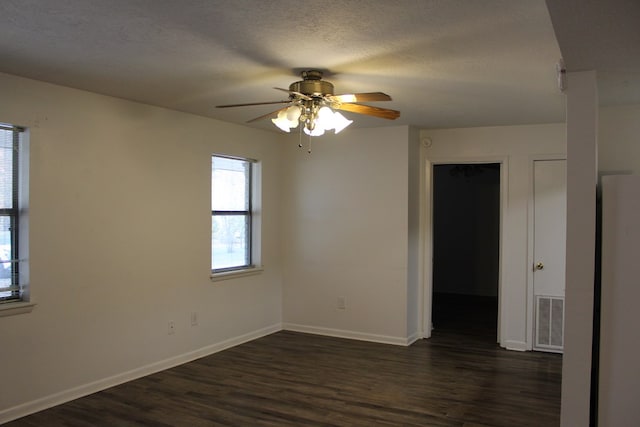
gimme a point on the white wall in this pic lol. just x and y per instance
(618, 153)
(517, 147)
(416, 217)
(347, 219)
(350, 227)
(619, 140)
(120, 244)
(582, 146)
(619, 378)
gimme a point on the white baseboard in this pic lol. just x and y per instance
(413, 338)
(516, 345)
(353, 335)
(64, 396)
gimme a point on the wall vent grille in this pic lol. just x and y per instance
(549, 324)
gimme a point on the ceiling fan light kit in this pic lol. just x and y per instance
(316, 120)
(311, 105)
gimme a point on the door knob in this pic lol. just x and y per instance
(539, 266)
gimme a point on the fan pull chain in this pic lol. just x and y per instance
(300, 136)
(309, 150)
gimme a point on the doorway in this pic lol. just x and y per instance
(466, 250)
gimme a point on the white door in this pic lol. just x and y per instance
(549, 246)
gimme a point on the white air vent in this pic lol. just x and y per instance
(549, 324)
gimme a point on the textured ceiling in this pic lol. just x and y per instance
(446, 63)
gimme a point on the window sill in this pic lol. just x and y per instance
(216, 277)
(15, 308)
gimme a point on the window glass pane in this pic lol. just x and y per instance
(6, 169)
(5, 255)
(230, 184)
(230, 241)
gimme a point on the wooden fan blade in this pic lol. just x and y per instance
(264, 116)
(383, 113)
(299, 94)
(360, 97)
(252, 103)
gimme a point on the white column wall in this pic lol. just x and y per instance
(582, 146)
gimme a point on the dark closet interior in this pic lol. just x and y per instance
(466, 237)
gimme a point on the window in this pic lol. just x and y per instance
(11, 200)
(233, 220)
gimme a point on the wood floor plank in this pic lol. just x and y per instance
(294, 379)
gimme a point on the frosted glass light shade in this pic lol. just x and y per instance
(287, 119)
(317, 131)
(283, 124)
(340, 122)
(324, 118)
(293, 114)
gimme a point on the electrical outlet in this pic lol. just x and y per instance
(342, 303)
(194, 319)
(172, 328)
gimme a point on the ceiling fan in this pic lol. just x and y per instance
(311, 103)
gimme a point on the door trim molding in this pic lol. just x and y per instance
(427, 232)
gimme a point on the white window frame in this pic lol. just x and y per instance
(255, 231)
(21, 304)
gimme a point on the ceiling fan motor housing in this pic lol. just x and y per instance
(312, 84)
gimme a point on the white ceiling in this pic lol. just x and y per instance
(446, 63)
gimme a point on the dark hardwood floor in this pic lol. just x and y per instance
(293, 379)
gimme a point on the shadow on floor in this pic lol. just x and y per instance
(468, 317)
